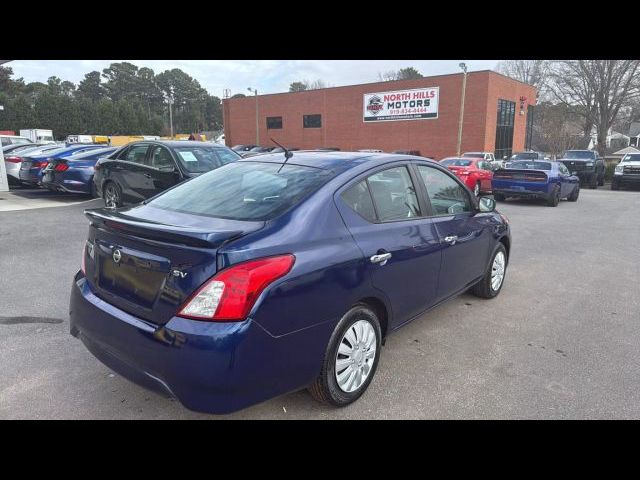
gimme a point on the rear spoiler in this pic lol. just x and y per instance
(112, 220)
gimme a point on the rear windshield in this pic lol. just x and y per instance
(200, 159)
(456, 162)
(96, 152)
(523, 165)
(244, 191)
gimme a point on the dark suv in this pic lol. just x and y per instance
(587, 165)
(143, 169)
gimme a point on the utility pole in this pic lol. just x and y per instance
(255, 91)
(463, 66)
(170, 99)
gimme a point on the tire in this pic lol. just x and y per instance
(554, 198)
(498, 197)
(575, 194)
(476, 189)
(326, 388)
(112, 195)
(485, 287)
(615, 185)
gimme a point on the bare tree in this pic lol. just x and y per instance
(408, 73)
(302, 85)
(533, 72)
(596, 90)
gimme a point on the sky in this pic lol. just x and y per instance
(268, 76)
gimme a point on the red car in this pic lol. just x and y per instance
(474, 172)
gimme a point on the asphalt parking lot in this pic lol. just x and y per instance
(561, 340)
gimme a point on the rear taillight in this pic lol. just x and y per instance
(230, 294)
(61, 167)
(13, 159)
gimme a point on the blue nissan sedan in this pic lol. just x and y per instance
(280, 272)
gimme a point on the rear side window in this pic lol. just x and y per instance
(359, 200)
(394, 194)
(249, 191)
(447, 196)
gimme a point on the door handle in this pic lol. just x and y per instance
(451, 239)
(380, 258)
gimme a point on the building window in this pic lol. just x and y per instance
(312, 121)
(529, 134)
(274, 123)
(504, 128)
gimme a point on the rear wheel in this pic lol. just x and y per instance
(351, 358)
(491, 283)
(112, 195)
(554, 197)
(574, 195)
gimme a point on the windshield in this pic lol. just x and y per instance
(524, 165)
(524, 156)
(200, 159)
(580, 154)
(456, 162)
(244, 191)
(631, 157)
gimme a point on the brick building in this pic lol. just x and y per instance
(420, 114)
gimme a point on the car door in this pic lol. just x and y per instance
(161, 171)
(386, 216)
(465, 236)
(567, 182)
(131, 173)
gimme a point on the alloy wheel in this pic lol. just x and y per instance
(476, 189)
(356, 356)
(497, 271)
(111, 196)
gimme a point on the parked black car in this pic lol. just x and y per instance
(143, 169)
(586, 164)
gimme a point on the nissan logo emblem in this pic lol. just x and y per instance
(117, 256)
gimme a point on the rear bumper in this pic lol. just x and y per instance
(520, 189)
(211, 367)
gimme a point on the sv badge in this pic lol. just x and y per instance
(178, 273)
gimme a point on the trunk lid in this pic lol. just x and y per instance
(148, 261)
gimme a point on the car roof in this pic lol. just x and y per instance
(333, 160)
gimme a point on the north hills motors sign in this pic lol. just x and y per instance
(416, 104)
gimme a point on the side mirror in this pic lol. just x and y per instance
(486, 204)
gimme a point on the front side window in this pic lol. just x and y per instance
(136, 154)
(447, 196)
(359, 200)
(312, 121)
(249, 191)
(161, 158)
(394, 194)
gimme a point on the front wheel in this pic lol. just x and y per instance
(574, 195)
(491, 283)
(351, 358)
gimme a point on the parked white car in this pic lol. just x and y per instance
(487, 157)
(6, 140)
